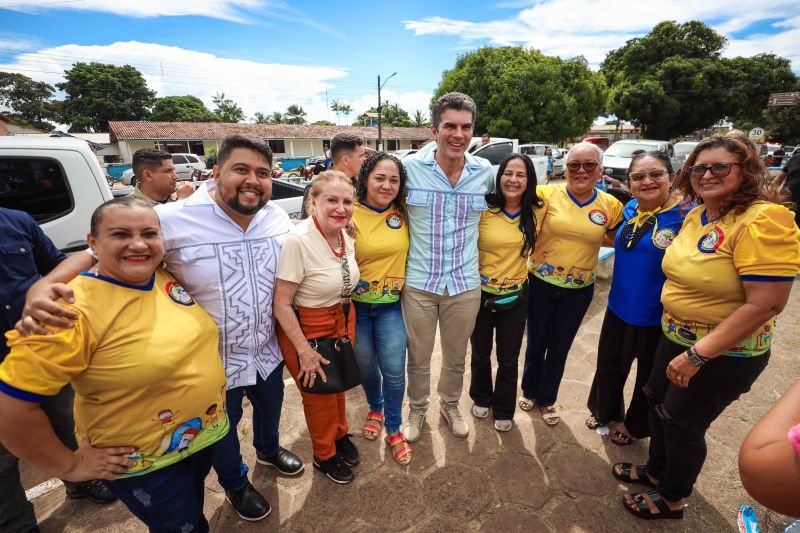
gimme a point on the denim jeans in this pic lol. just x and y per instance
(169, 500)
(680, 417)
(381, 353)
(266, 397)
(554, 316)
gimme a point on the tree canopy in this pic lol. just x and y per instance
(524, 94)
(295, 114)
(28, 102)
(99, 92)
(391, 115)
(182, 109)
(227, 110)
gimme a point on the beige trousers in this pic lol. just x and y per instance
(455, 316)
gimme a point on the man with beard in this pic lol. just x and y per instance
(222, 244)
(158, 182)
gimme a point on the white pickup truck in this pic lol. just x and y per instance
(59, 182)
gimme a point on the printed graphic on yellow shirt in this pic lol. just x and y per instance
(381, 250)
(687, 333)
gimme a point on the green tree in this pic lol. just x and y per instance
(28, 102)
(182, 109)
(295, 115)
(420, 120)
(336, 108)
(276, 118)
(227, 110)
(756, 77)
(526, 95)
(345, 109)
(391, 115)
(261, 118)
(323, 123)
(98, 92)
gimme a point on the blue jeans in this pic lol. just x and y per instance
(266, 397)
(381, 353)
(169, 500)
(554, 316)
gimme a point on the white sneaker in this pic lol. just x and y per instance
(503, 425)
(480, 412)
(455, 422)
(413, 426)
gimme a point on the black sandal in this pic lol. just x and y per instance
(625, 474)
(621, 439)
(642, 509)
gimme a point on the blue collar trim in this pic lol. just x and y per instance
(147, 287)
(515, 215)
(365, 204)
(590, 200)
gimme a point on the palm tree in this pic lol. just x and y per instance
(336, 108)
(346, 109)
(276, 118)
(295, 115)
(419, 119)
(261, 118)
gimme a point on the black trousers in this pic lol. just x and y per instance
(510, 326)
(16, 512)
(679, 418)
(620, 344)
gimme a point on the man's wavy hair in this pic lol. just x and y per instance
(366, 169)
(756, 179)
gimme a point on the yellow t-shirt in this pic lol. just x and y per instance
(144, 363)
(381, 251)
(502, 266)
(571, 235)
(707, 262)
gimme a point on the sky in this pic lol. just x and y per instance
(268, 54)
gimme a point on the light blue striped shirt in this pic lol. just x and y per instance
(443, 223)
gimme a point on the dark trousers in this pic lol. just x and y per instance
(510, 326)
(620, 344)
(680, 417)
(266, 397)
(16, 513)
(169, 500)
(554, 316)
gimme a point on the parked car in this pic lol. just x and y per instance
(185, 164)
(617, 159)
(540, 149)
(683, 149)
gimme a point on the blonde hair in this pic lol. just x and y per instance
(322, 179)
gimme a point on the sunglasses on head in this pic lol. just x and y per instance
(654, 175)
(718, 170)
(588, 166)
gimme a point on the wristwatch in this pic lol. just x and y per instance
(695, 358)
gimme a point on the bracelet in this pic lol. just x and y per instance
(694, 351)
(694, 358)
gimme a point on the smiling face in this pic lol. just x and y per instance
(333, 206)
(650, 191)
(382, 184)
(454, 134)
(244, 183)
(716, 191)
(514, 182)
(128, 244)
(580, 182)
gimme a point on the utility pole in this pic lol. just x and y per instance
(379, 146)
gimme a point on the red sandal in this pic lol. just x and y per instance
(372, 426)
(400, 448)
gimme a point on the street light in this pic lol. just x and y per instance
(380, 107)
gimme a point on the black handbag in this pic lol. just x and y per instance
(342, 372)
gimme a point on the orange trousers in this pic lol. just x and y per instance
(325, 413)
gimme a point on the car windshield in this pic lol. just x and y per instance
(626, 149)
(684, 149)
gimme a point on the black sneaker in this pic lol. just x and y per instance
(284, 462)
(347, 450)
(335, 468)
(248, 503)
(94, 490)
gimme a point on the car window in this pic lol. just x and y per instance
(35, 185)
(178, 159)
(192, 159)
(495, 152)
(626, 149)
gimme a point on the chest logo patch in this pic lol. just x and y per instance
(598, 217)
(394, 220)
(712, 240)
(663, 238)
(178, 294)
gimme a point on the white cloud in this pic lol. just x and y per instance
(171, 71)
(591, 28)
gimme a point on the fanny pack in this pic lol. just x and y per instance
(501, 302)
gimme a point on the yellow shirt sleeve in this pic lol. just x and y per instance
(291, 266)
(769, 246)
(39, 366)
(615, 213)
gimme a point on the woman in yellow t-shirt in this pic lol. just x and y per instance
(506, 236)
(729, 272)
(381, 250)
(575, 220)
(149, 384)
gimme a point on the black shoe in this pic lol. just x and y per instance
(347, 450)
(94, 490)
(248, 503)
(284, 462)
(335, 469)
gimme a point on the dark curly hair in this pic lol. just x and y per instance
(366, 169)
(497, 201)
(756, 178)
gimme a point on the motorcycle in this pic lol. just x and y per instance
(277, 172)
(202, 175)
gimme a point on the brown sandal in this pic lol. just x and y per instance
(372, 426)
(400, 448)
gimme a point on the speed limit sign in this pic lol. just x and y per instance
(756, 133)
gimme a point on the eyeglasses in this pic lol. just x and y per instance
(654, 175)
(718, 170)
(588, 166)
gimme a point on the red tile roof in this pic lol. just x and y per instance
(127, 130)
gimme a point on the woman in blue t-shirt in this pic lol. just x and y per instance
(632, 324)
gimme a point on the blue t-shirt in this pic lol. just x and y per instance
(636, 284)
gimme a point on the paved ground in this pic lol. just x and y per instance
(534, 478)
